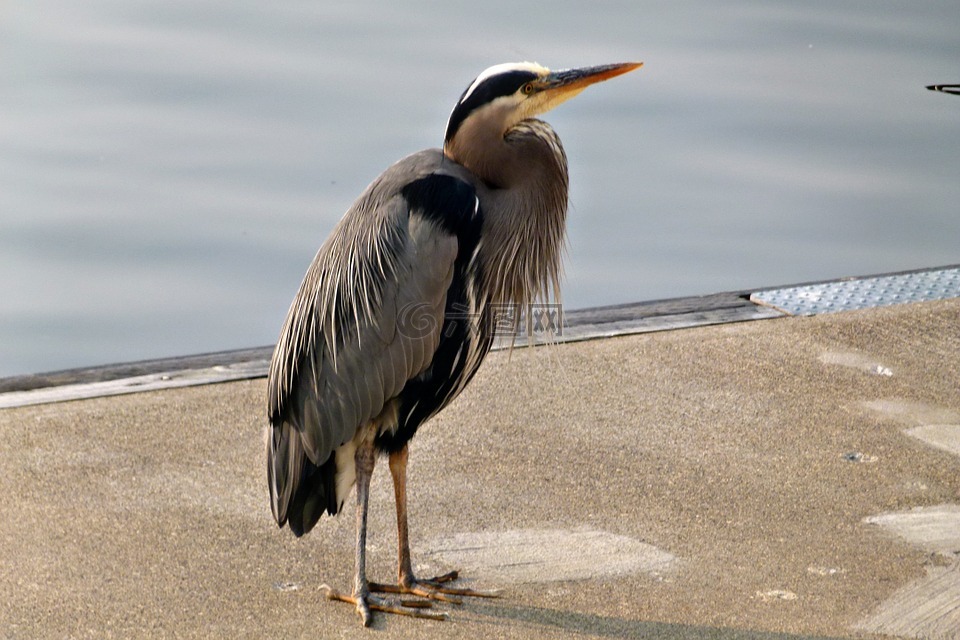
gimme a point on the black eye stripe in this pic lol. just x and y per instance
(502, 84)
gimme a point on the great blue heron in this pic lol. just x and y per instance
(396, 312)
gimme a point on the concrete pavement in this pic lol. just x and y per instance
(795, 476)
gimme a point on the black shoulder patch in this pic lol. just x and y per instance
(446, 201)
(452, 204)
(502, 84)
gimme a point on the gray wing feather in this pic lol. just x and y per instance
(367, 318)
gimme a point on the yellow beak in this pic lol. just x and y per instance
(579, 79)
(559, 86)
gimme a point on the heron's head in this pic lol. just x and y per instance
(506, 94)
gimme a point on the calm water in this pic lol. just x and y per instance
(168, 170)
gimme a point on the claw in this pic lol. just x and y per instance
(438, 584)
(447, 577)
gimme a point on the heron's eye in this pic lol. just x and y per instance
(527, 89)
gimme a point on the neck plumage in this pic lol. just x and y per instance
(524, 211)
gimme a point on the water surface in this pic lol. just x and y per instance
(168, 170)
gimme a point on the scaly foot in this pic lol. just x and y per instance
(365, 603)
(433, 589)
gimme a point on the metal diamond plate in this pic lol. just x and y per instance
(863, 293)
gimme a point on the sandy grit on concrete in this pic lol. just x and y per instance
(723, 482)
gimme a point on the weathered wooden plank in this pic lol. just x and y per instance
(165, 373)
(607, 326)
(136, 384)
(929, 607)
(104, 373)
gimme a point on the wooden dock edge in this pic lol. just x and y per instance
(242, 364)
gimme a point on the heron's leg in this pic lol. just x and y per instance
(365, 459)
(398, 470)
(434, 588)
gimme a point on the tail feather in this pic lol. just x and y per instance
(300, 491)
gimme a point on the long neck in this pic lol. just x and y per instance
(524, 211)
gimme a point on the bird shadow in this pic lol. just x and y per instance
(541, 620)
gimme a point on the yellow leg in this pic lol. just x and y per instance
(407, 582)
